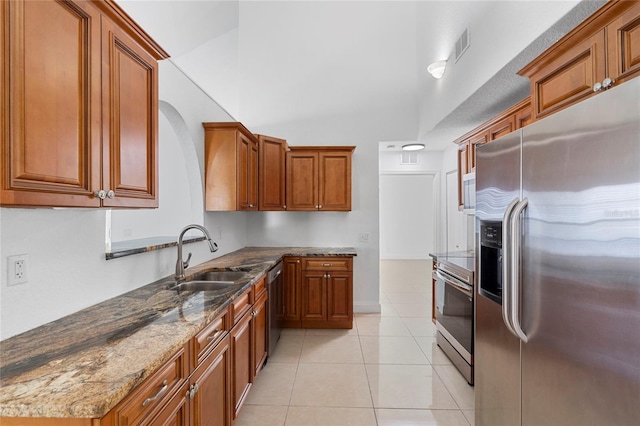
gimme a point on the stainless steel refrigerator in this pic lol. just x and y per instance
(558, 253)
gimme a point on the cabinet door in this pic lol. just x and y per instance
(314, 296)
(463, 168)
(340, 298)
(623, 44)
(523, 117)
(291, 291)
(253, 175)
(211, 404)
(570, 77)
(174, 413)
(242, 363)
(130, 117)
(501, 128)
(272, 172)
(480, 139)
(334, 181)
(247, 173)
(260, 326)
(302, 180)
(51, 108)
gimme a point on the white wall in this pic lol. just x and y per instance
(335, 228)
(67, 266)
(498, 31)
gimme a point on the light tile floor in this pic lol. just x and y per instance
(387, 370)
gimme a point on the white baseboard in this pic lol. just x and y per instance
(389, 256)
(367, 308)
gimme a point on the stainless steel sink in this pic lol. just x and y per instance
(202, 285)
(224, 276)
(210, 281)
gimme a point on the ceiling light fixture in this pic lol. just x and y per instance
(413, 147)
(436, 69)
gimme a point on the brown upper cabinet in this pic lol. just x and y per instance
(601, 52)
(80, 106)
(272, 173)
(231, 167)
(512, 119)
(319, 178)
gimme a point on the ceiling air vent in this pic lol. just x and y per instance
(409, 157)
(462, 44)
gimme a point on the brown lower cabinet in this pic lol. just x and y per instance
(212, 401)
(319, 292)
(241, 361)
(291, 292)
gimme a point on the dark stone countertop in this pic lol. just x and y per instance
(82, 365)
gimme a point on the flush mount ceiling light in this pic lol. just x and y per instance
(436, 69)
(413, 147)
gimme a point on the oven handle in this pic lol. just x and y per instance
(464, 288)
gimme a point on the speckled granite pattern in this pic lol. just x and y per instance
(82, 365)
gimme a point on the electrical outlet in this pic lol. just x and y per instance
(17, 268)
(364, 237)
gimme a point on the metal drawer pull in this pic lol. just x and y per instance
(162, 390)
(327, 264)
(215, 335)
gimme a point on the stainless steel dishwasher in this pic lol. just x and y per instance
(276, 305)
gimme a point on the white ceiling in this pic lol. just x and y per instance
(273, 62)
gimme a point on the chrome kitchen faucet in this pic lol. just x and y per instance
(182, 265)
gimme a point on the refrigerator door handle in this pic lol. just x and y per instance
(515, 269)
(506, 267)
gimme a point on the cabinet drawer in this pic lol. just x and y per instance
(152, 394)
(241, 305)
(259, 287)
(210, 336)
(327, 264)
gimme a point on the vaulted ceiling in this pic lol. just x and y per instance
(270, 62)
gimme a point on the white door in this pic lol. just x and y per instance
(406, 216)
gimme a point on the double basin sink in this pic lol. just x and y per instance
(210, 280)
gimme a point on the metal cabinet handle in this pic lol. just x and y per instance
(102, 194)
(191, 392)
(606, 83)
(506, 266)
(215, 335)
(515, 270)
(326, 264)
(162, 390)
(320, 207)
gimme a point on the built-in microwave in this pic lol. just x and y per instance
(469, 193)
